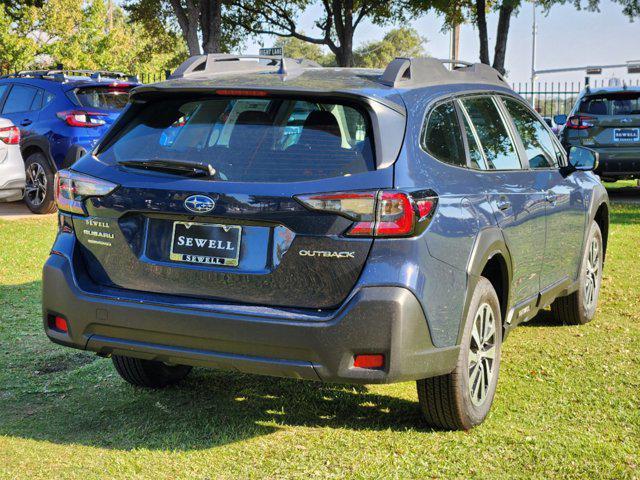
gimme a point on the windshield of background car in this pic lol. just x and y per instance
(107, 97)
(250, 140)
(618, 103)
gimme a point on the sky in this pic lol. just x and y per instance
(566, 38)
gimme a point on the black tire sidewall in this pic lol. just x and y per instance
(472, 414)
(48, 204)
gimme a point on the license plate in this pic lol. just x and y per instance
(626, 134)
(206, 243)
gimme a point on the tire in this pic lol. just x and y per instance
(579, 307)
(148, 373)
(447, 401)
(38, 194)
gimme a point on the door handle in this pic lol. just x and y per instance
(503, 204)
(26, 122)
(551, 197)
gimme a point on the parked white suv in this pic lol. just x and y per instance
(12, 176)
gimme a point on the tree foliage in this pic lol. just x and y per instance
(17, 47)
(399, 42)
(76, 34)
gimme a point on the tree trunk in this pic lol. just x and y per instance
(481, 13)
(188, 22)
(501, 36)
(211, 25)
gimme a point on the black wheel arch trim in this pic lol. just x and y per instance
(41, 143)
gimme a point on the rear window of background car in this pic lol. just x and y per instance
(618, 103)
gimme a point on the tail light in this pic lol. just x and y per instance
(80, 118)
(71, 189)
(385, 213)
(580, 122)
(10, 135)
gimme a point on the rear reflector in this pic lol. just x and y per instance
(368, 361)
(60, 324)
(385, 213)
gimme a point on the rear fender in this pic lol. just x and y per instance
(489, 243)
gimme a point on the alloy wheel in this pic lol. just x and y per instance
(592, 273)
(36, 187)
(482, 354)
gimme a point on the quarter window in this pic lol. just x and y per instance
(499, 150)
(535, 137)
(442, 137)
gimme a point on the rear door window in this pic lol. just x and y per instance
(535, 136)
(442, 136)
(20, 99)
(250, 140)
(498, 147)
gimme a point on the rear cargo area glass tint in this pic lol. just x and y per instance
(619, 103)
(250, 139)
(107, 97)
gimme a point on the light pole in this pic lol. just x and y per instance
(534, 33)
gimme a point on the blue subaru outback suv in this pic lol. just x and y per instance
(61, 115)
(340, 225)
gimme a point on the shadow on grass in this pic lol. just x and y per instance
(544, 318)
(85, 402)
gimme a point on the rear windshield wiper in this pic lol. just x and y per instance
(175, 167)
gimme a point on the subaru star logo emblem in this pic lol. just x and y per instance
(199, 204)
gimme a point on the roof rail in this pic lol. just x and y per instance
(62, 75)
(423, 70)
(215, 63)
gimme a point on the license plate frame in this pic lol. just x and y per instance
(626, 135)
(199, 252)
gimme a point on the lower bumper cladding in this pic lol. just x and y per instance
(387, 322)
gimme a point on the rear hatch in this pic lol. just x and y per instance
(611, 119)
(211, 196)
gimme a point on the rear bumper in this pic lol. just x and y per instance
(379, 320)
(12, 176)
(621, 161)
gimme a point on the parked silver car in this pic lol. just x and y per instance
(12, 175)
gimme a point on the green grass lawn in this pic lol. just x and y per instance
(568, 401)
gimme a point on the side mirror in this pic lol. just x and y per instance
(560, 119)
(583, 158)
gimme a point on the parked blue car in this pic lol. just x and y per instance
(61, 116)
(339, 225)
